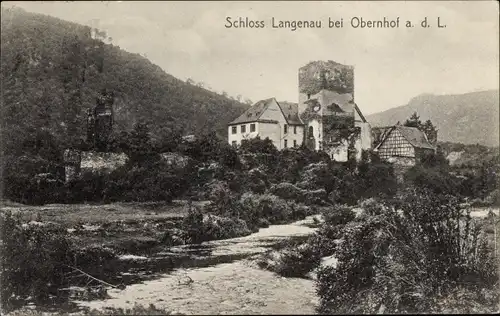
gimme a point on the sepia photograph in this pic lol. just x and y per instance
(249, 157)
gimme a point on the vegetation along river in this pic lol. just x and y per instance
(220, 278)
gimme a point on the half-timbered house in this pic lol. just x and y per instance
(403, 145)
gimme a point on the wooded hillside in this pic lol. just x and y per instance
(52, 70)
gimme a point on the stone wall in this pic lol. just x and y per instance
(102, 161)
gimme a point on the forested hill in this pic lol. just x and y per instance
(469, 118)
(52, 71)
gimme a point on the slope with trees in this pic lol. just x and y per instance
(468, 118)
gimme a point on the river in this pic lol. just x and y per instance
(236, 287)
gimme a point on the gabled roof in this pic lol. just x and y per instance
(289, 110)
(359, 113)
(413, 135)
(253, 113)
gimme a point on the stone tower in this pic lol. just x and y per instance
(326, 106)
(100, 120)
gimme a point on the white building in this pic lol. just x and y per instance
(278, 121)
(325, 118)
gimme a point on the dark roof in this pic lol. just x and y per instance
(253, 113)
(413, 135)
(290, 112)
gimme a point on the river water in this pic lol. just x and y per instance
(235, 287)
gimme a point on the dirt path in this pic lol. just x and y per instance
(230, 288)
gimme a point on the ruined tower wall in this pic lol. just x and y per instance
(326, 104)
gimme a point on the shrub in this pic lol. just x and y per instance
(315, 197)
(216, 227)
(34, 264)
(192, 224)
(37, 257)
(258, 145)
(421, 246)
(338, 215)
(172, 237)
(437, 180)
(292, 261)
(376, 178)
(215, 189)
(256, 181)
(289, 191)
(286, 190)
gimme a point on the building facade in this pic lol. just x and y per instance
(403, 145)
(271, 119)
(333, 122)
(325, 118)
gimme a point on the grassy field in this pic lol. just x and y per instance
(128, 227)
(92, 214)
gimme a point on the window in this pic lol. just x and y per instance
(252, 128)
(286, 142)
(243, 128)
(295, 129)
(234, 130)
(234, 143)
(310, 132)
(285, 127)
(308, 96)
(294, 143)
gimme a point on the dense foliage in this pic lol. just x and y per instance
(39, 259)
(53, 70)
(403, 255)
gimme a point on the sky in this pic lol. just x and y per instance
(391, 66)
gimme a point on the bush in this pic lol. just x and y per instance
(315, 197)
(200, 227)
(36, 258)
(338, 215)
(289, 191)
(420, 246)
(256, 181)
(258, 145)
(33, 260)
(437, 180)
(292, 261)
(172, 237)
(216, 227)
(192, 224)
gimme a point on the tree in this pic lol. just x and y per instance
(139, 144)
(428, 128)
(258, 145)
(413, 121)
(430, 131)
(167, 138)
